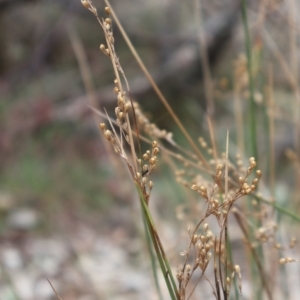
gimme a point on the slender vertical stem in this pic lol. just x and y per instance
(152, 256)
(158, 91)
(252, 126)
(208, 85)
(251, 82)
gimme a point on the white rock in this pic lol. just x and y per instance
(24, 219)
(11, 258)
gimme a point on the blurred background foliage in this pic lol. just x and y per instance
(55, 175)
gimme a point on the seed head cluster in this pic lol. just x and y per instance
(220, 186)
(123, 107)
(217, 207)
(151, 129)
(111, 138)
(202, 244)
(147, 163)
(140, 168)
(287, 260)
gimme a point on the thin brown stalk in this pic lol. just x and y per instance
(293, 17)
(294, 85)
(212, 136)
(156, 88)
(224, 226)
(195, 285)
(56, 294)
(270, 109)
(220, 264)
(87, 78)
(116, 71)
(254, 254)
(173, 154)
(217, 283)
(208, 85)
(238, 115)
(262, 11)
(270, 105)
(226, 217)
(226, 164)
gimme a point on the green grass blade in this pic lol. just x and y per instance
(252, 127)
(279, 208)
(163, 262)
(152, 257)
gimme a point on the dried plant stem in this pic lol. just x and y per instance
(217, 283)
(180, 158)
(116, 71)
(195, 285)
(293, 19)
(254, 254)
(293, 83)
(208, 84)
(220, 265)
(157, 90)
(219, 195)
(270, 107)
(212, 136)
(56, 294)
(89, 87)
(239, 125)
(226, 241)
(173, 154)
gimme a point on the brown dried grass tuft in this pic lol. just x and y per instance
(223, 185)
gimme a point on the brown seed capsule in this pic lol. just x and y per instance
(145, 168)
(116, 90)
(108, 134)
(282, 261)
(205, 227)
(102, 48)
(108, 20)
(120, 115)
(207, 247)
(219, 166)
(155, 150)
(194, 187)
(154, 144)
(85, 3)
(145, 156)
(127, 107)
(107, 10)
(150, 185)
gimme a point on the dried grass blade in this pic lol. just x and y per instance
(157, 90)
(56, 294)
